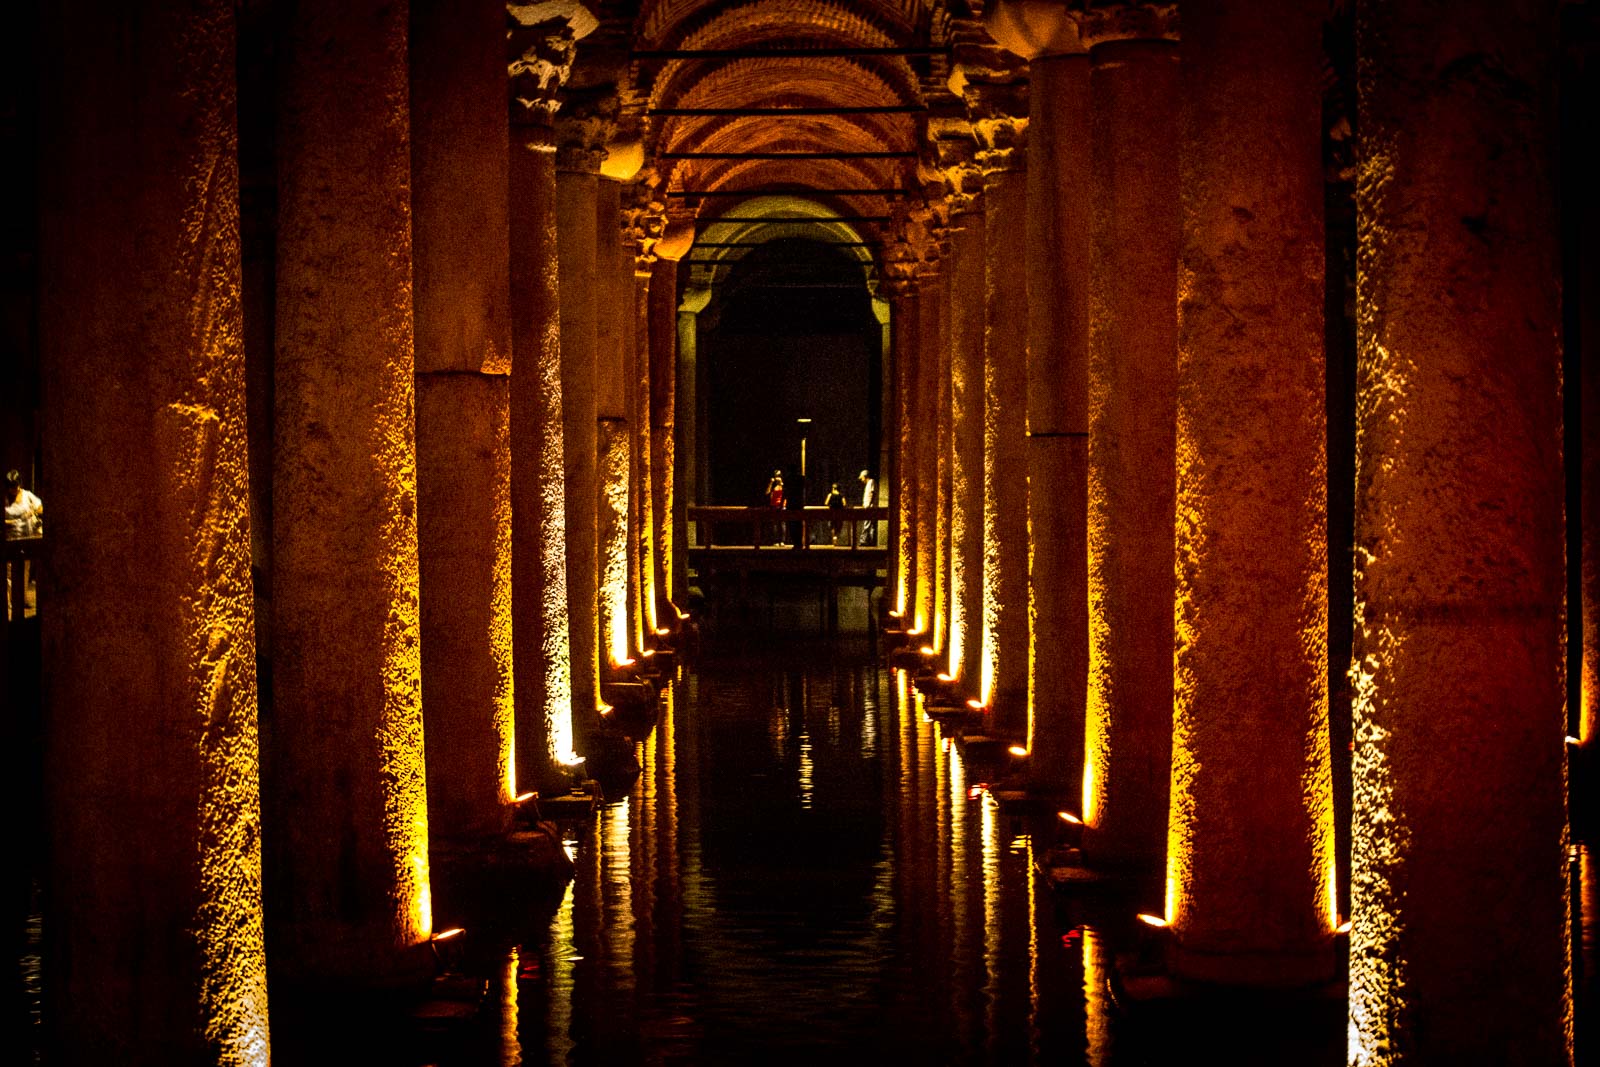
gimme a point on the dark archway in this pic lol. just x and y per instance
(790, 335)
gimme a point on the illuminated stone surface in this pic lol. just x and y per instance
(1249, 896)
(966, 467)
(613, 352)
(906, 351)
(929, 310)
(542, 650)
(1058, 420)
(461, 263)
(1005, 444)
(1459, 779)
(347, 834)
(1133, 363)
(575, 238)
(663, 328)
(156, 950)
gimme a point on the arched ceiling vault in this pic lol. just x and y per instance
(859, 120)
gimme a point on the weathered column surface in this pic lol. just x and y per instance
(542, 639)
(1058, 383)
(151, 763)
(463, 351)
(966, 449)
(614, 295)
(1005, 444)
(942, 440)
(347, 836)
(576, 191)
(1459, 782)
(904, 326)
(1250, 843)
(664, 488)
(642, 516)
(930, 293)
(1133, 366)
(686, 473)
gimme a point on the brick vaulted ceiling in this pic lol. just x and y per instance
(879, 65)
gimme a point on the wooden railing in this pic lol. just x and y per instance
(732, 527)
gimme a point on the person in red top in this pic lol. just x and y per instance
(775, 499)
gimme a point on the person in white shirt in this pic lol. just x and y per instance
(24, 512)
(869, 498)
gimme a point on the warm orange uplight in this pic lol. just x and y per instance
(927, 650)
(917, 632)
(896, 613)
(1018, 750)
(1068, 817)
(975, 704)
(1344, 927)
(626, 661)
(947, 677)
(445, 935)
(1153, 920)
(521, 798)
(682, 614)
(662, 631)
(647, 653)
(1573, 740)
(604, 709)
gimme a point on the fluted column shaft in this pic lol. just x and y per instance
(151, 761)
(1133, 365)
(1459, 702)
(1250, 860)
(461, 295)
(348, 835)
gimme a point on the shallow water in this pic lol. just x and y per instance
(806, 870)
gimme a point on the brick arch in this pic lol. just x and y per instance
(675, 23)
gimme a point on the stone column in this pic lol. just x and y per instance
(1460, 791)
(576, 188)
(926, 425)
(460, 299)
(540, 56)
(942, 437)
(155, 953)
(686, 473)
(347, 837)
(1059, 202)
(1133, 367)
(664, 486)
(966, 442)
(1250, 855)
(903, 324)
(614, 293)
(1005, 450)
(641, 513)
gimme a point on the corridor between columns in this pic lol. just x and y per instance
(649, 530)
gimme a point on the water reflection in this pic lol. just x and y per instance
(805, 869)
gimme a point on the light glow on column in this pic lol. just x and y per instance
(613, 476)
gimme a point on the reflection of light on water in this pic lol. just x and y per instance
(1096, 1002)
(510, 1043)
(805, 770)
(1588, 916)
(560, 967)
(1033, 948)
(617, 890)
(991, 911)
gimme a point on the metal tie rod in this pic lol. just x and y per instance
(788, 53)
(758, 244)
(787, 155)
(731, 220)
(736, 112)
(686, 194)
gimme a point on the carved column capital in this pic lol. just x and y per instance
(541, 41)
(1035, 28)
(1129, 22)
